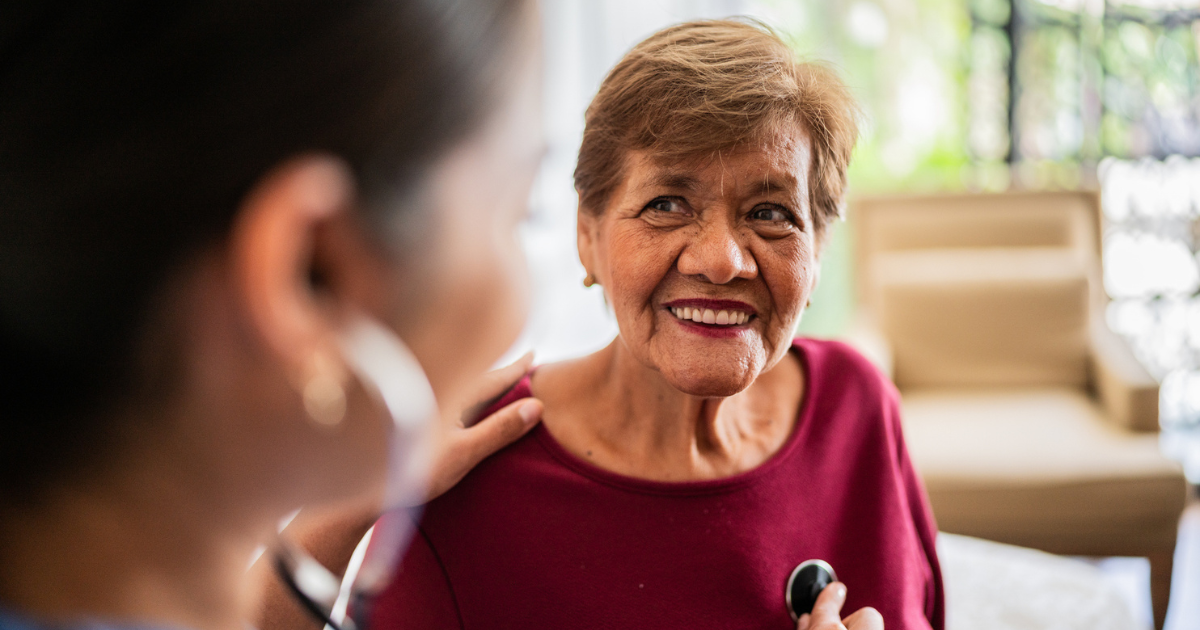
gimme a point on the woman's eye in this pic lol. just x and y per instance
(770, 213)
(665, 204)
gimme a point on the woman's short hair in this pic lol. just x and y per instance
(710, 85)
(130, 131)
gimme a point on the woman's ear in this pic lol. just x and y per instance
(295, 216)
(815, 278)
(586, 225)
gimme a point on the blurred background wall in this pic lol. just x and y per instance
(958, 95)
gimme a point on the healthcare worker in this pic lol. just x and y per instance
(245, 246)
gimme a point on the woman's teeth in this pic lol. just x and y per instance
(709, 316)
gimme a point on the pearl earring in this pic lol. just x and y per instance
(323, 393)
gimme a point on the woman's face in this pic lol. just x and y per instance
(708, 262)
(456, 297)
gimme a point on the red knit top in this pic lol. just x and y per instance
(536, 538)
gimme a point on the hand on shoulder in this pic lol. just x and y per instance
(463, 444)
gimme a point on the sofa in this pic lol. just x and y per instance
(1030, 422)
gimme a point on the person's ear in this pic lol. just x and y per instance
(297, 273)
(814, 279)
(586, 226)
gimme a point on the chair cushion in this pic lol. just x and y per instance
(1041, 468)
(992, 317)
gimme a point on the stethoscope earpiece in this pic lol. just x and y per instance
(806, 583)
(387, 369)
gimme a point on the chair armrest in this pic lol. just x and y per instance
(1127, 390)
(865, 335)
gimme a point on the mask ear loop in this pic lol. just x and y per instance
(389, 372)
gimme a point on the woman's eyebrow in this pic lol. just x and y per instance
(674, 179)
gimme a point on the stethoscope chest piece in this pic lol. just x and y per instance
(805, 583)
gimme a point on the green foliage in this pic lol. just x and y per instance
(905, 63)
(933, 79)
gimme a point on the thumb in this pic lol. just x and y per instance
(499, 429)
(493, 385)
(826, 613)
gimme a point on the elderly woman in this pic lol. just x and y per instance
(682, 472)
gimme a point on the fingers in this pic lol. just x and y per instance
(500, 380)
(499, 430)
(826, 613)
(464, 448)
(491, 385)
(465, 443)
(864, 619)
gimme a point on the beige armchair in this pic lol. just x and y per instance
(1029, 421)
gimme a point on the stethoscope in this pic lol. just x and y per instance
(315, 587)
(386, 368)
(805, 584)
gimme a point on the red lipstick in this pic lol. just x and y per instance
(711, 330)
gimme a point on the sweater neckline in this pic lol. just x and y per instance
(696, 487)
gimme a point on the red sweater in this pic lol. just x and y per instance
(536, 538)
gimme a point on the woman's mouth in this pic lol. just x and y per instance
(722, 317)
(713, 318)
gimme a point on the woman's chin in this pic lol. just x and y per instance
(714, 383)
(708, 369)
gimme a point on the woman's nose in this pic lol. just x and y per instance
(717, 254)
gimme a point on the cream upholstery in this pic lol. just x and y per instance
(1129, 393)
(1009, 220)
(1032, 302)
(1040, 468)
(1021, 408)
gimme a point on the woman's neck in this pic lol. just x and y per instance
(612, 411)
(134, 554)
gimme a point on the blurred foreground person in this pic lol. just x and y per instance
(681, 474)
(243, 246)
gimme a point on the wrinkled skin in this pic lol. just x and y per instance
(732, 226)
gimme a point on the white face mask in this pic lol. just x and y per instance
(389, 372)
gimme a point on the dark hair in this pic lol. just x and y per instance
(131, 130)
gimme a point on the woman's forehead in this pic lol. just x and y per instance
(776, 163)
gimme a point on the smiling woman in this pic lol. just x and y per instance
(728, 234)
(684, 471)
